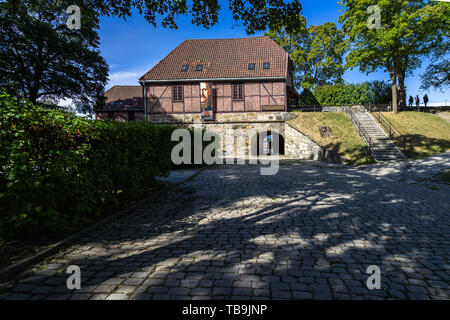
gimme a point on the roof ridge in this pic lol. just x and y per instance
(226, 38)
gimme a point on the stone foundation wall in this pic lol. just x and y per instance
(299, 146)
(229, 117)
(296, 145)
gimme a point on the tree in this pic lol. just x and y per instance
(437, 74)
(317, 53)
(42, 59)
(256, 15)
(409, 31)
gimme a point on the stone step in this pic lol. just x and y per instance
(383, 147)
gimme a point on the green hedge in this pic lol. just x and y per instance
(57, 171)
(376, 92)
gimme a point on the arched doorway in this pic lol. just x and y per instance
(263, 143)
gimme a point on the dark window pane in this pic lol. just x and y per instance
(251, 66)
(266, 65)
(184, 67)
(177, 93)
(199, 67)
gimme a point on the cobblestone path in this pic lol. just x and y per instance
(310, 231)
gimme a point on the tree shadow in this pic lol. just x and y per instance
(353, 156)
(233, 233)
(420, 146)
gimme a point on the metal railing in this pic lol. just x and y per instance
(361, 131)
(393, 133)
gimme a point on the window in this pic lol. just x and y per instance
(177, 93)
(266, 65)
(199, 67)
(110, 115)
(185, 67)
(131, 116)
(251, 66)
(238, 91)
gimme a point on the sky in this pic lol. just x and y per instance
(134, 46)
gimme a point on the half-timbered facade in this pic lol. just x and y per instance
(246, 75)
(221, 85)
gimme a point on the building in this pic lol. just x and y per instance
(246, 75)
(221, 84)
(122, 103)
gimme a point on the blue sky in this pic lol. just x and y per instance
(133, 47)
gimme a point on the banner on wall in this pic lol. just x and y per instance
(206, 101)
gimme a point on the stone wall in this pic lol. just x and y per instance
(297, 145)
(223, 117)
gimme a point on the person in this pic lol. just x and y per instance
(417, 101)
(425, 99)
(411, 100)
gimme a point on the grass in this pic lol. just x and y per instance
(426, 133)
(345, 139)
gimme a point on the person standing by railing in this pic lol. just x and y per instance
(417, 102)
(425, 99)
(411, 100)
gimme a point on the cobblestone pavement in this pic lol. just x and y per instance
(310, 231)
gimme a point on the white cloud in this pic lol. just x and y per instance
(123, 75)
(126, 77)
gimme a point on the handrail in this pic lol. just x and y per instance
(390, 129)
(366, 137)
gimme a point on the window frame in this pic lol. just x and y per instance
(238, 91)
(199, 67)
(184, 67)
(266, 64)
(178, 93)
(252, 65)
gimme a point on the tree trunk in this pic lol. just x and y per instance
(401, 89)
(33, 94)
(394, 92)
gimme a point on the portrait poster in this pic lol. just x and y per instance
(206, 100)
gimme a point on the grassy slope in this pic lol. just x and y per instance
(426, 134)
(345, 139)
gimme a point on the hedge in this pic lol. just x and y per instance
(376, 92)
(57, 170)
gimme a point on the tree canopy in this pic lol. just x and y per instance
(42, 59)
(317, 53)
(409, 31)
(255, 15)
(437, 74)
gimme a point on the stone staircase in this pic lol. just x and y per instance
(383, 147)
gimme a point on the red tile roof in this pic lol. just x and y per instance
(124, 97)
(222, 58)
